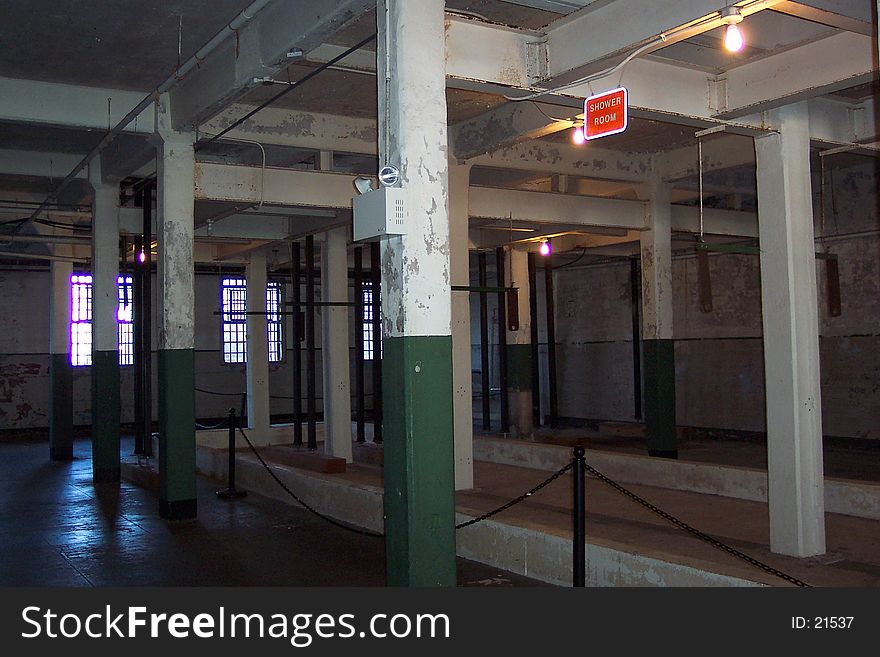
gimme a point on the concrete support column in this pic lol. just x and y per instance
(176, 296)
(462, 401)
(257, 350)
(105, 337)
(416, 299)
(791, 337)
(61, 372)
(658, 348)
(335, 344)
(519, 346)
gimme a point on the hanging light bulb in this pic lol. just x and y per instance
(142, 257)
(545, 248)
(733, 36)
(577, 136)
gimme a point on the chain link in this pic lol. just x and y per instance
(696, 532)
(287, 490)
(204, 427)
(519, 499)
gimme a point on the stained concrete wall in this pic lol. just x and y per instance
(24, 360)
(719, 355)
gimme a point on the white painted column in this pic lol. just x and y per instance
(335, 344)
(417, 385)
(462, 401)
(105, 337)
(176, 317)
(656, 251)
(519, 346)
(658, 349)
(257, 349)
(791, 336)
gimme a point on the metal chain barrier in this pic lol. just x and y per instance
(205, 427)
(287, 490)
(519, 499)
(696, 532)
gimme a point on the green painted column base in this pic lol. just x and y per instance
(177, 435)
(60, 408)
(659, 364)
(105, 416)
(419, 465)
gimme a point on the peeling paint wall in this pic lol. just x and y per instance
(719, 355)
(24, 359)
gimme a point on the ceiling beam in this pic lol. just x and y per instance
(719, 153)
(258, 49)
(34, 163)
(836, 62)
(506, 125)
(286, 127)
(850, 15)
(559, 6)
(543, 157)
(602, 33)
(50, 103)
(250, 185)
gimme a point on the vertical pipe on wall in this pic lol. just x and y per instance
(296, 337)
(536, 363)
(147, 319)
(359, 343)
(310, 343)
(502, 340)
(137, 306)
(635, 278)
(485, 389)
(551, 340)
(376, 273)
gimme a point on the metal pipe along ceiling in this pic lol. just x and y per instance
(242, 19)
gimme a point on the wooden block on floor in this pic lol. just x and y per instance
(304, 458)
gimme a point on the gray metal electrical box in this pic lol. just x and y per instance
(379, 213)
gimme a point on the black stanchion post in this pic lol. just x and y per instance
(578, 554)
(230, 490)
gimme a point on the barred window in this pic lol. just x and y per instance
(370, 318)
(81, 320)
(234, 320)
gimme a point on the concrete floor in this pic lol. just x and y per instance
(58, 529)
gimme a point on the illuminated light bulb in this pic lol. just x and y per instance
(545, 248)
(142, 257)
(578, 136)
(733, 38)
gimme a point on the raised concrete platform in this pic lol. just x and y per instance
(843, 496)
(626, 544)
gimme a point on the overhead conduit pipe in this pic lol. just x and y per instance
(242, 19)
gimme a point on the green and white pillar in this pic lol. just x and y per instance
(105, 328)
(658, 348)
(176, 296)
(519, 346)
(257, 368)
(462, 401)
(416, 299)
(335, 351)
(60, 370)
(791, 336)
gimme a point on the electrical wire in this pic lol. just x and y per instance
(308, 76)
(593, 76)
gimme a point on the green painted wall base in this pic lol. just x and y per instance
(519, 367)
(659, 362)
(60, 408)
(177, 435)
(105, 416)
(419, 466)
